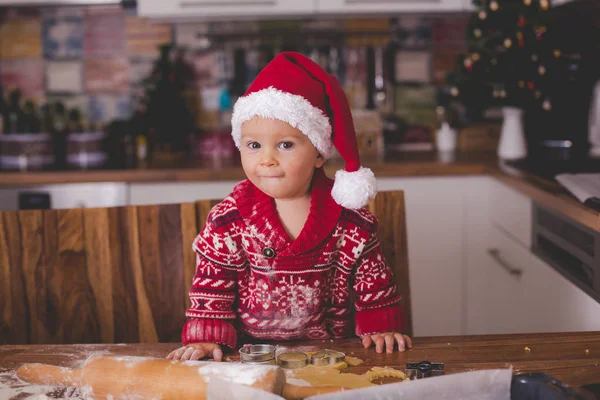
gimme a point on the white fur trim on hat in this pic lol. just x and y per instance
(287, 107)
(353, 190)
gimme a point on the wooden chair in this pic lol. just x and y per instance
(104, 275)
(121, 275)
(389, 208)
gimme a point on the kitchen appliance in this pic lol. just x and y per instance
(569, 247)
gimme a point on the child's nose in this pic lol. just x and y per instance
(268, 159)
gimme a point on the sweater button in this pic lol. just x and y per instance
(268, 252)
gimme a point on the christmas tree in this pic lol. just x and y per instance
(510, 59)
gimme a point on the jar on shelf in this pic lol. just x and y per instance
(26, 151)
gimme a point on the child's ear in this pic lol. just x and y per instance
(320, 161)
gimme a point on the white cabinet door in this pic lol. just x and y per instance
(508, 265)
(554, 304)
(520, 293)
(512, 211)
(477, 241)
(434, 219)
(178, 192)
(386, 6)
(199, 9)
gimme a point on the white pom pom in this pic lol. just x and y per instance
(353, 190)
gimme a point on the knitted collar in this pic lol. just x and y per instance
(260, 213)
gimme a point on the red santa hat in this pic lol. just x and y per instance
(294, 89)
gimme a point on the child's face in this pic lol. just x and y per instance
(278, 159)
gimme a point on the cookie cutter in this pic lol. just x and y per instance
(292, 360)
(327, 357)
(258, 354)
(424, 369)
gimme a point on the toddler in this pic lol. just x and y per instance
(279, 256)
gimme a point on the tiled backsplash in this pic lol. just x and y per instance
(96, 57)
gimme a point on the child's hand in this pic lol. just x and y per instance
(196, 351)
(388, 339)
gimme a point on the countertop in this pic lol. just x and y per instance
(405, 164)
(573, 358)
(390, 165)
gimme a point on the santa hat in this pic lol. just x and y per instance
(294, 89)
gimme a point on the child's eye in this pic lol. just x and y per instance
(254, 145)
(286, 145)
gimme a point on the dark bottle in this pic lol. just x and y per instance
(59, 119)
(2, 110)
(31, 121)
(14, 115)
(59, 132)
(74, 124)
(46, 118)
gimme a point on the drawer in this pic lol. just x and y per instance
(501, 300)
(512, 211)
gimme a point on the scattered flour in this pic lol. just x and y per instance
(243, 374)
(11, 387)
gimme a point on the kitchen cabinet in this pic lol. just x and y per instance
(512, 211)
(554, 304)
(212, 9)
(520, 293)
(435, 226)
(178, 192)
(387, 6)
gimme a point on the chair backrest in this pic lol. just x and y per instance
(104, 275)
(121, 275)
(389, 208)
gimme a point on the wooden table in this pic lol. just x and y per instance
(573, 358)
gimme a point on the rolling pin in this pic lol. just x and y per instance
(106, 377)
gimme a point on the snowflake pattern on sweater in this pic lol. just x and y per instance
(251, 276)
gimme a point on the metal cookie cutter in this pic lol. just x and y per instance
(424, 369)
(327, 357)
(258, 354)
(292, 360)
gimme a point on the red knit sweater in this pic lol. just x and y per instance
(251, 275)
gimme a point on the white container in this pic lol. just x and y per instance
(26, 151)
(446, 138)
(512, 145)
(594, 123)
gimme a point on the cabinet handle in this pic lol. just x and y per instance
(193, 4)
(495, 254)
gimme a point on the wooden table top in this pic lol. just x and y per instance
(573, 358)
